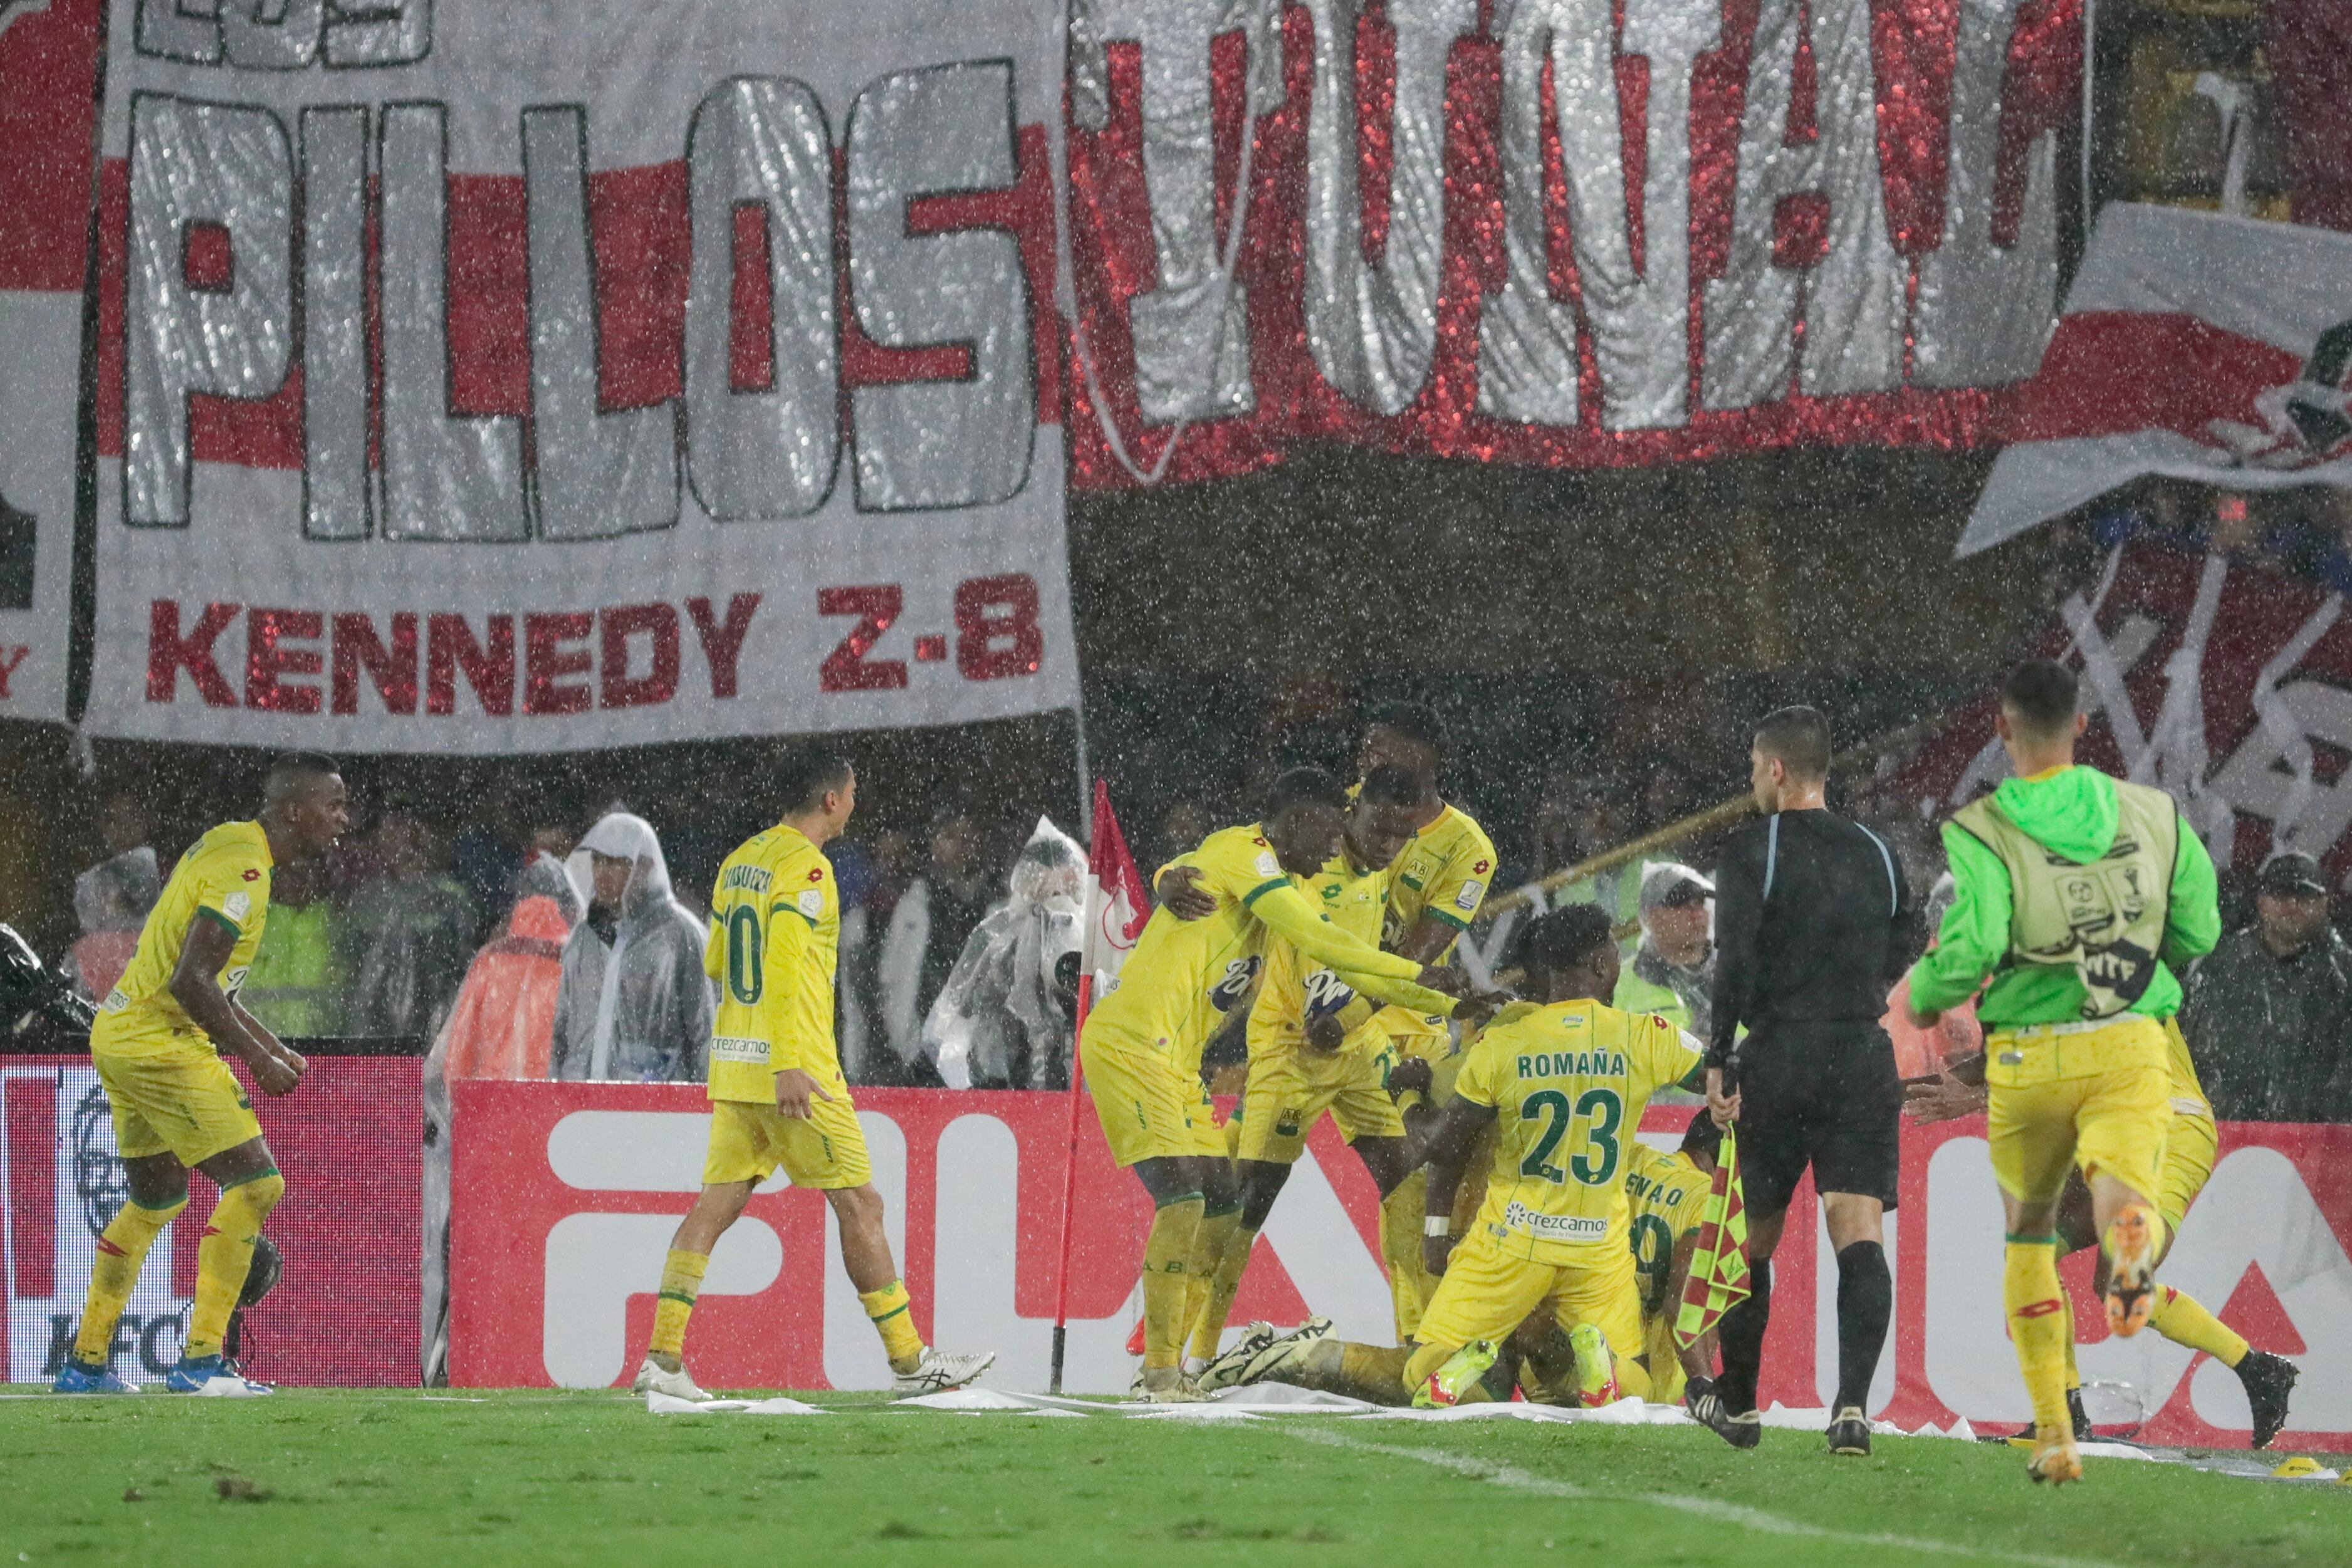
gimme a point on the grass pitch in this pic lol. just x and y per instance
(378, 1477)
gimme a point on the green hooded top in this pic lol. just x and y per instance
(2073, 812)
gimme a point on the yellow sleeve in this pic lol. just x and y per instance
(230, 878)
(1475, 1082)
(786, 951)
(1286, 912)
(1460, 886)
(714, 949)
(1663, 1053)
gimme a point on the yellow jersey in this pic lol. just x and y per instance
(1185, 976)
(224, 878)
(1443, 871)
(1667, 1193)
(1568, 1083)
(774, 944)
(1295, 990)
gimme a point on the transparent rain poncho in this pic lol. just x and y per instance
(1003, 1019)
(111, 903)
(634, 1004)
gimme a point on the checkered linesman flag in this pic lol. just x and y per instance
(1718, 1270)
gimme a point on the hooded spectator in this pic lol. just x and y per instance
(1673, 971)
(934, 918)
(1004, 1017)
(113, 897)
(634, 1004)
(503, 1025)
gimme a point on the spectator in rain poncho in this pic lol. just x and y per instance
(1003, 1019)
(634, 1004)
(113, 897)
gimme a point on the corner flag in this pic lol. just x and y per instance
(1718, 1270)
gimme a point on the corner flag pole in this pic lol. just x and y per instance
(1070, 1169)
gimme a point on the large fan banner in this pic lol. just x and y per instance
(48, 60)
(1570, 232)
(521, 376)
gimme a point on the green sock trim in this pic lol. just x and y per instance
(680, 1297)
(179, 1203)
(1192, 1197)
(892, 1312)
(258, 1176)
(2031, 1241)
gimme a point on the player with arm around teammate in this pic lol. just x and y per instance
(157, 1045)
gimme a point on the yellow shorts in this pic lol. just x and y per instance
(1485, 1293)
(750, 1140)
(2100, 1098)
(2189, 1148)
(1288, 1089)
(1150, 1109)
(178, 1098)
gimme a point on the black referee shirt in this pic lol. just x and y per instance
(1814, 924)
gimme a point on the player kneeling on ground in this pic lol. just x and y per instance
(1563, 1084)
(777, 1093)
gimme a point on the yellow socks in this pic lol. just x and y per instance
(224, 1256)
(681, 1282)
(121, 1250)
(2179, 1318)
(2074, 1372)
(894, 1320)
(2039, 1327)
(1410, 1285)
(1223, 1248)
(1374, 1373)
(1167, 1294)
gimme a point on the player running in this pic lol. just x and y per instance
(2188, 1149)
(1140, 1048)
(777, 1094)
(1563, 1084)
(157, 1046)
(2074, 894)
(1315, 1047)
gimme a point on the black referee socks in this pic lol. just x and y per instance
(1865, 1300)
(1741, 1335)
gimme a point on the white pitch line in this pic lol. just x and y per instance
(1753, 1519)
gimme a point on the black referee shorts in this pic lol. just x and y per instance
(1825, 1095)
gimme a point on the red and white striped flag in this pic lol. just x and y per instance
(1117, 904)
(2200, 346)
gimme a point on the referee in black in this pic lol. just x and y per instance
(1813, 925)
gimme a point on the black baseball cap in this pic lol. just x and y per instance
(2292, 873)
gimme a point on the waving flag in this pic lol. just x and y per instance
(2200, 346)
(1117, 905)
(1719, 1270)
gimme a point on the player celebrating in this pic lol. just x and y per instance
(1140, 1048)
(1668, 1194)
(1315, 1047)
(2075, 893)
(1563, 1085)
(2189, 1148)
(157, 1046)
(777, 1094)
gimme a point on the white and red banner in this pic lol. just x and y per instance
(48, 60)
(2229, 687)
(1568, 232)
(566, 1196)
(2196, 345)
(513, 377)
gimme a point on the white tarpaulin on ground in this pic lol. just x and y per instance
(532, 376)
(2194, 345)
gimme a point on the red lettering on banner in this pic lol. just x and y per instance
(547, 660)
(751, 314)
(206, 261)
(10, 658)
(722, 641)
(449, 646)
(619, 687)
(987, 608)
(168, 653)
(393, 668)
(268, 658)
(846, 669)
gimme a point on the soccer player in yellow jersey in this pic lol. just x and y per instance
(2075, 895)
(1315, 1047)
(1668, 1195)
(157, 1046)
(1140, 1048)
(777, 1094)
(2190, 1144)
(1563, 1084)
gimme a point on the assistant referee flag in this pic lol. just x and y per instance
(1719, 1268)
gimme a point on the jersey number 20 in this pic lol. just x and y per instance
(1596, 1165)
